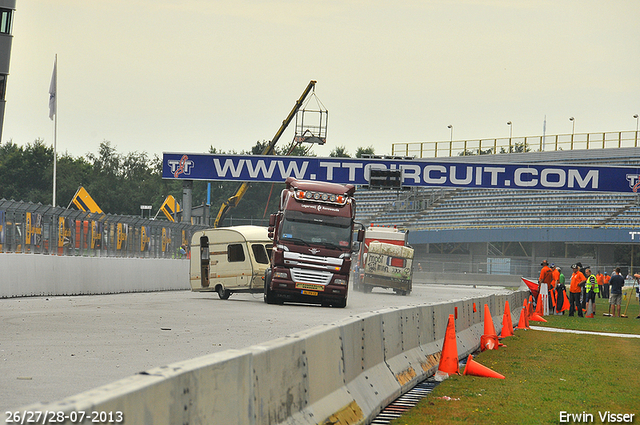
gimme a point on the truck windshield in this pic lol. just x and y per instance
(308, 229)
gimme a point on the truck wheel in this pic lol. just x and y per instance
(224, 294)
(367, 289)
(268, 294)
(340, 304)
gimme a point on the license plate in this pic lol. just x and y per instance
(314, 293)
(310, 286)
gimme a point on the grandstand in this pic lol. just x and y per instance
(470, 226)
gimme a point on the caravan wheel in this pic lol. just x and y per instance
(224, 294)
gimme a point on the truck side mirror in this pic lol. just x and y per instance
(355, 246)
(270, 234)
(272, 220)
(360, 235)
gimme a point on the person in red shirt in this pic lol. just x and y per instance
(544, 281)
(600, 280)
(553, 288)
(577, 281)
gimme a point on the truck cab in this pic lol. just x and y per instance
(312, 244)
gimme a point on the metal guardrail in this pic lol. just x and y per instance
(449, 148)
(26, 227)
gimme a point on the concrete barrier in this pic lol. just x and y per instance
(22, 275)
(342, 373)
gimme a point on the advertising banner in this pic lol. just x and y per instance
(2, 226)
(144, 239)
(166, 238)
(414, 172)
(33, 224)
(64, 232)
(96, 234)
(122, 232)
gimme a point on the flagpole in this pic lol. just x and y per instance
(55, 153)
(53, 109)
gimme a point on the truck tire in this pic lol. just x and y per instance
(224, 294)
(340, 304)
(269, 298)
(367, 289)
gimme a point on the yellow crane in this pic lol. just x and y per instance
(268, 150)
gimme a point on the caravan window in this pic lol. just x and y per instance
(260, 253)
(235, 253)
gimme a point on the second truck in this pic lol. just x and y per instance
(385, 261)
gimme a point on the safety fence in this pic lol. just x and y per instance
(26, 227)
(616, 139)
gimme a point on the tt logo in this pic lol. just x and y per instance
(183, 166)
(634, 182)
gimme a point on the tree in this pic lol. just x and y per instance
(339, 152)
(468, 152)
(365, 151)
(518, 147)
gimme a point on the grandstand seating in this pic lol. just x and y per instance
(438, 208)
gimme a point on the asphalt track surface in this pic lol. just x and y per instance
(55, 347)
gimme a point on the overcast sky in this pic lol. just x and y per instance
(165, 76)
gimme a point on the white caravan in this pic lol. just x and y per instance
(230, 259)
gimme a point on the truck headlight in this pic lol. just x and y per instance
(280, 275)
(339, 281)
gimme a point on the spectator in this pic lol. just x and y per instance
(637, 278)
(600, 279)
(575, 288)
(615, 300)
(592, 289)
(606, 279)
(560, 293)
(583, 292)
(553, 299)
(545, 279)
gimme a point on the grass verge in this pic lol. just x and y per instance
(546, 373)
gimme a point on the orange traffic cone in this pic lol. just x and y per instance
(476, 369)
(507, 325)
(522, 322)
(537, 318)
(590, 313)
(489, 340)
(540, 306)
(449, 358)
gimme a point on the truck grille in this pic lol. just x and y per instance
(311, 276)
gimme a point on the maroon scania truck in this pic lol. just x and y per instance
(312, 244)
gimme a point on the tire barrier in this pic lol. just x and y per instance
(341, 373)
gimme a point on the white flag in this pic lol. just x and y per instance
(52, 91)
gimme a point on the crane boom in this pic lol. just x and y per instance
(268, 150)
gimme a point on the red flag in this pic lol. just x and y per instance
(533, 287)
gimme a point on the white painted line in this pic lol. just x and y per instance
(540, 328)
